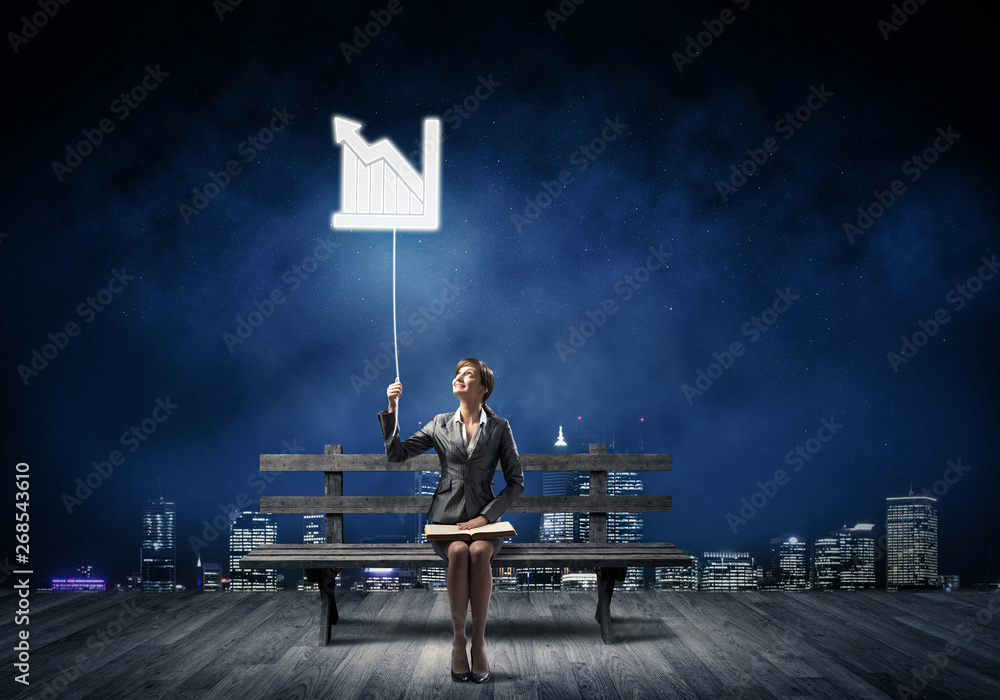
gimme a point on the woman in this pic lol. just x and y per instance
(469, 443)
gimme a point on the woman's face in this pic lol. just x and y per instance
(467, 384)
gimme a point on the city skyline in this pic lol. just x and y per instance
(848, 558)
(583, 432)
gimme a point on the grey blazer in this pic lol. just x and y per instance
(466, 485)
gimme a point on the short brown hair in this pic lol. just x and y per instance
(485, 377)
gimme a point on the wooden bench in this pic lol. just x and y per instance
(323, 562)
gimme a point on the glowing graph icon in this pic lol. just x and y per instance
(379, 189)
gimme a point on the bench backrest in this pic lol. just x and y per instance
(334, 504)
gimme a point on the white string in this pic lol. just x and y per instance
(395, 344)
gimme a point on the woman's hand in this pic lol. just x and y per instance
(393, 392)
(477, 521)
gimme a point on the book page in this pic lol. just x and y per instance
(437, 531)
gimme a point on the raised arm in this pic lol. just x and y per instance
(416, 444)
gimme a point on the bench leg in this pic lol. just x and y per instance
(606, 577)
(328, 616)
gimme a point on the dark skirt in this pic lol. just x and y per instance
(441, 547)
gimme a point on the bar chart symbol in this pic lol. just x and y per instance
(379, 189)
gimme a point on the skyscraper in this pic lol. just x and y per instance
(826, 563)
(425, 484)
(728, 571)
(845, 559)
(911, 541)
(677, 578)
(249, 531)
(788, 564)
(561, 527)
(208, 577)
(558, 527)
(857, 549)
(157, 557)
(626, 527)
(313, 532)
(314, 529)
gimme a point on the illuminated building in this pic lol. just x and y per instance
(857, 549)
(728, 571)
(313, 532)
(249, 531)
(425, 484)
(158, 551)
(677, 578)
(78, 585)
(826, 563)
(911, 541)
(788, 564)
(208, 577)
(626, 527)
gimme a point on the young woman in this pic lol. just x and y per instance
(469, 442)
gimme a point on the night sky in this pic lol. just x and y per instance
(599, 247)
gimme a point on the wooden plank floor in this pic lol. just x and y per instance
(254, 646)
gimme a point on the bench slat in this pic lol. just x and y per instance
(420, 504)
(400, 555)
(430, 462)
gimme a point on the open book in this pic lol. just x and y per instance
(490, 531)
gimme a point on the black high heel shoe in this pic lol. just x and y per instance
(461, 677)
(479, 677)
